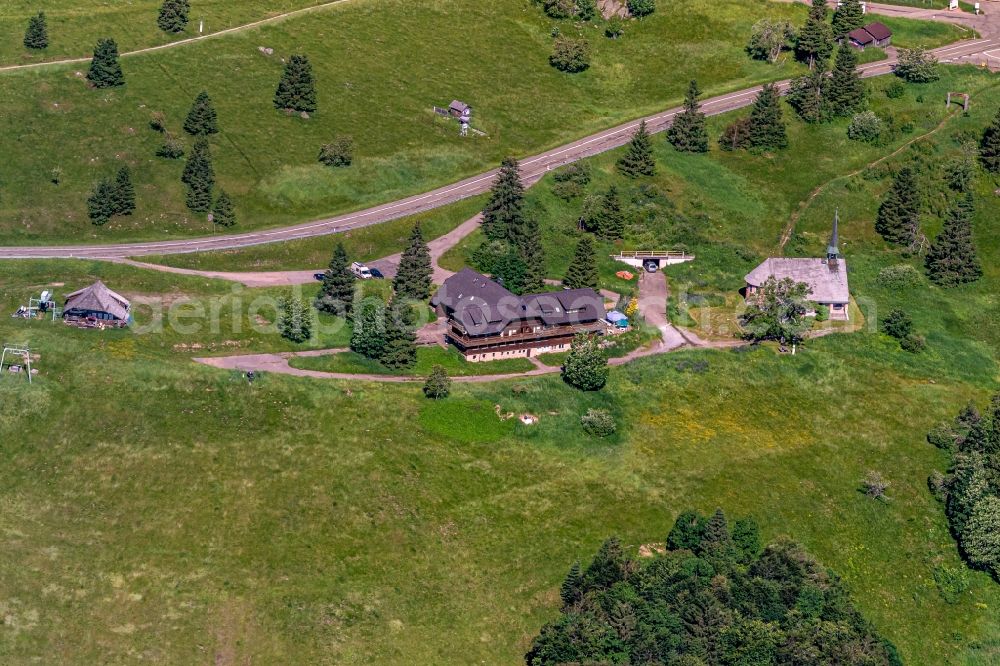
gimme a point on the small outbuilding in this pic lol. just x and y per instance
(873, 34)
(97, 306)
(459, 109)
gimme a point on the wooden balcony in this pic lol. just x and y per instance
(546, 334)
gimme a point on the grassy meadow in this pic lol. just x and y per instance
(76, 25)
(159, 510)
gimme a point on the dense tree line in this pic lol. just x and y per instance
(713, 597)
(971, 490)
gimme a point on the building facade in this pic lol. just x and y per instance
(486, 322)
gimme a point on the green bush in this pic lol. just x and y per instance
(913, 343)
(951, 582)
(570, 55)
(897, 324)
(866, 127)
(598, 422)
(822, 313)
(899, 276)
(895, 90)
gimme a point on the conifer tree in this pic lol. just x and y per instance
(438, 384)
(400, 348)
(767, 125)
(294, 319)
(528, 241)
(336, 295)
(898, 219)
(413, 279)
(638, 158)
(952, 258)
(174, 15)
(572, 588)
(105, 70)
(202, 119)
(582, 272)
(506, 205)
(989, 146)
(807, 95)
(223, 210)
(510, 271)
(611, 219)
(101, 202)
(849, 16)
(297, 88)
(687, 133)
(123, 198)
(845, 94)
(586, 367)
(199, 176)
(368, 337)
(37, 35)
(815, 40)
(717, 542)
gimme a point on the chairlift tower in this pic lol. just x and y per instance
(15, 351)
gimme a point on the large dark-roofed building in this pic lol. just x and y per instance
(487, 322)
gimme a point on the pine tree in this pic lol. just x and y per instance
(506, 205)
(815, 40)
(898, 219)
(510, 271)
(638, 158)
(199, 176)
(586, 367)
(582, 272)
(807, 95)
(368, 337)
(294, 319)
(123, 199)
(528, 242)
(413, 279)
(849, 16)
(989, 146)
(717, 542)
(174, 15)
(105, 70)
(767, 125)
(687, 133)
(223, 210)
(611, 219)
(438, 384)
(336, 295)
(846, 93)
(101, 202)
(202, 119)
(37, 34)
(572, 588)
(952, 258)
(297, 88)
(400, 349)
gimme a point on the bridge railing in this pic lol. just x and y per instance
(650, 254)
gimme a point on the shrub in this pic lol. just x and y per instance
(822, 312)
(916, 66)
(866, 127)
(615, 27)
(895, 90)
(736, 135)
(598, 422)
(899, 276)
(172, 148)
(943, 436)
(875, 485)
(897, 324)
(641, 8)
(938, 485)
(560, 9)
(158, 121)
(339, 153)
(438, 384)
(951, 582)
(570, 55)
(913, 343)
(586, 367)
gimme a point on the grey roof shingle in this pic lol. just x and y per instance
(828, 284)
(98, 298)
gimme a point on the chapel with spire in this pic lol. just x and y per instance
(826, 277)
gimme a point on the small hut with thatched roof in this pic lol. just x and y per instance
(97, 306)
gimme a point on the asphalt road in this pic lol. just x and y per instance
(532, 169)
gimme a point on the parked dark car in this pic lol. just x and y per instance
(319, 276)
(376, 273)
